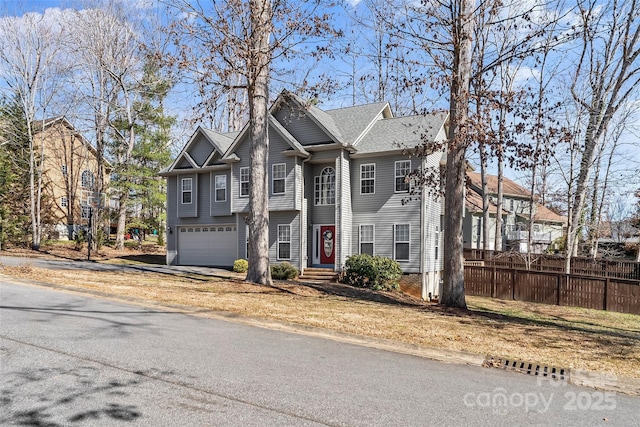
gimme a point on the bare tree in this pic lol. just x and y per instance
(242, 42)
(607, 75)
(30, 66)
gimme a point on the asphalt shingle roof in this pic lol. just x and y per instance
(222, 140)
(352, 121)
(401, 132)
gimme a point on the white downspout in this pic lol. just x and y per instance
(423, 218)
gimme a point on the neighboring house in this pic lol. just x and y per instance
(548, 226)
(69, 175)
(336, 188)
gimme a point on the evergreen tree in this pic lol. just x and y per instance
(14, 175)
(139, 177)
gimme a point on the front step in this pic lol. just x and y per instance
(319, 274)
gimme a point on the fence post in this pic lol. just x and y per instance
(493, 281)
(513, 284)
(606, 289)
(559, 285)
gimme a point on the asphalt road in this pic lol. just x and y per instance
(70, 359)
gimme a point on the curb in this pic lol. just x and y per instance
(578, 377)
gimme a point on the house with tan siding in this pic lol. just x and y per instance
(70, 169)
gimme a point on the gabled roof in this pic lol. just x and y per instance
(48, 123)
(544, 214)
(320, 117)
(509, 188)
(354, 121)
(296, 147)
(395, 134)
(220, 142)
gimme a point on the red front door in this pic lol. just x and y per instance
(327, 244)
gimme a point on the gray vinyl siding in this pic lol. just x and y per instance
(186, 210)
(205, 195)
(298, 123)
(286, 201)
(218, 208)
(184, 164)
(172, 191)
(239, 204)
(325, 156)
(298, 185)
(323, 214)
(200, 150)
(383, 209)
(344, 214)
(284, 218)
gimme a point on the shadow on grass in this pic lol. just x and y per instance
(500, 319)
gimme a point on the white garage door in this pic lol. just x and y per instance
(207, 245)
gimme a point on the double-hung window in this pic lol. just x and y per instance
(367, 232)
(221, 188)
(401, 234)
(64, 170)
(187, 189)
(402, 170)
(368, 178)
(64, 202)
(244, 182)
(284, 241)
(325, 187)
(87, 179)
(278, 175)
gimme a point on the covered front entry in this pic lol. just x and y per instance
(324, 245)
(214, 245)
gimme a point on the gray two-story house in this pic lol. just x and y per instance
(337, 186)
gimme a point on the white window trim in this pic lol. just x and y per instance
(246, 168)
(368, 179)
(274, 179)
(215, 187)
(183, 191)
(317, 188)
(284, 241)
(396, 176)
(89, 181)
(395, 241)
(373, 242)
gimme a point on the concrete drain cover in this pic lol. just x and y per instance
(528, 368)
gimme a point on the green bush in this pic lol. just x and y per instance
(284, 271)
(373, 272)
(240, 265)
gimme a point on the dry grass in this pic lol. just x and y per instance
(557, 336)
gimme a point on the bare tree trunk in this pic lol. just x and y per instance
(258, 90)
(453, 290)
(485, 197)
(499, 223)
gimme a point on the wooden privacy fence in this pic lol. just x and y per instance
(620, 269)
(600, 293)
